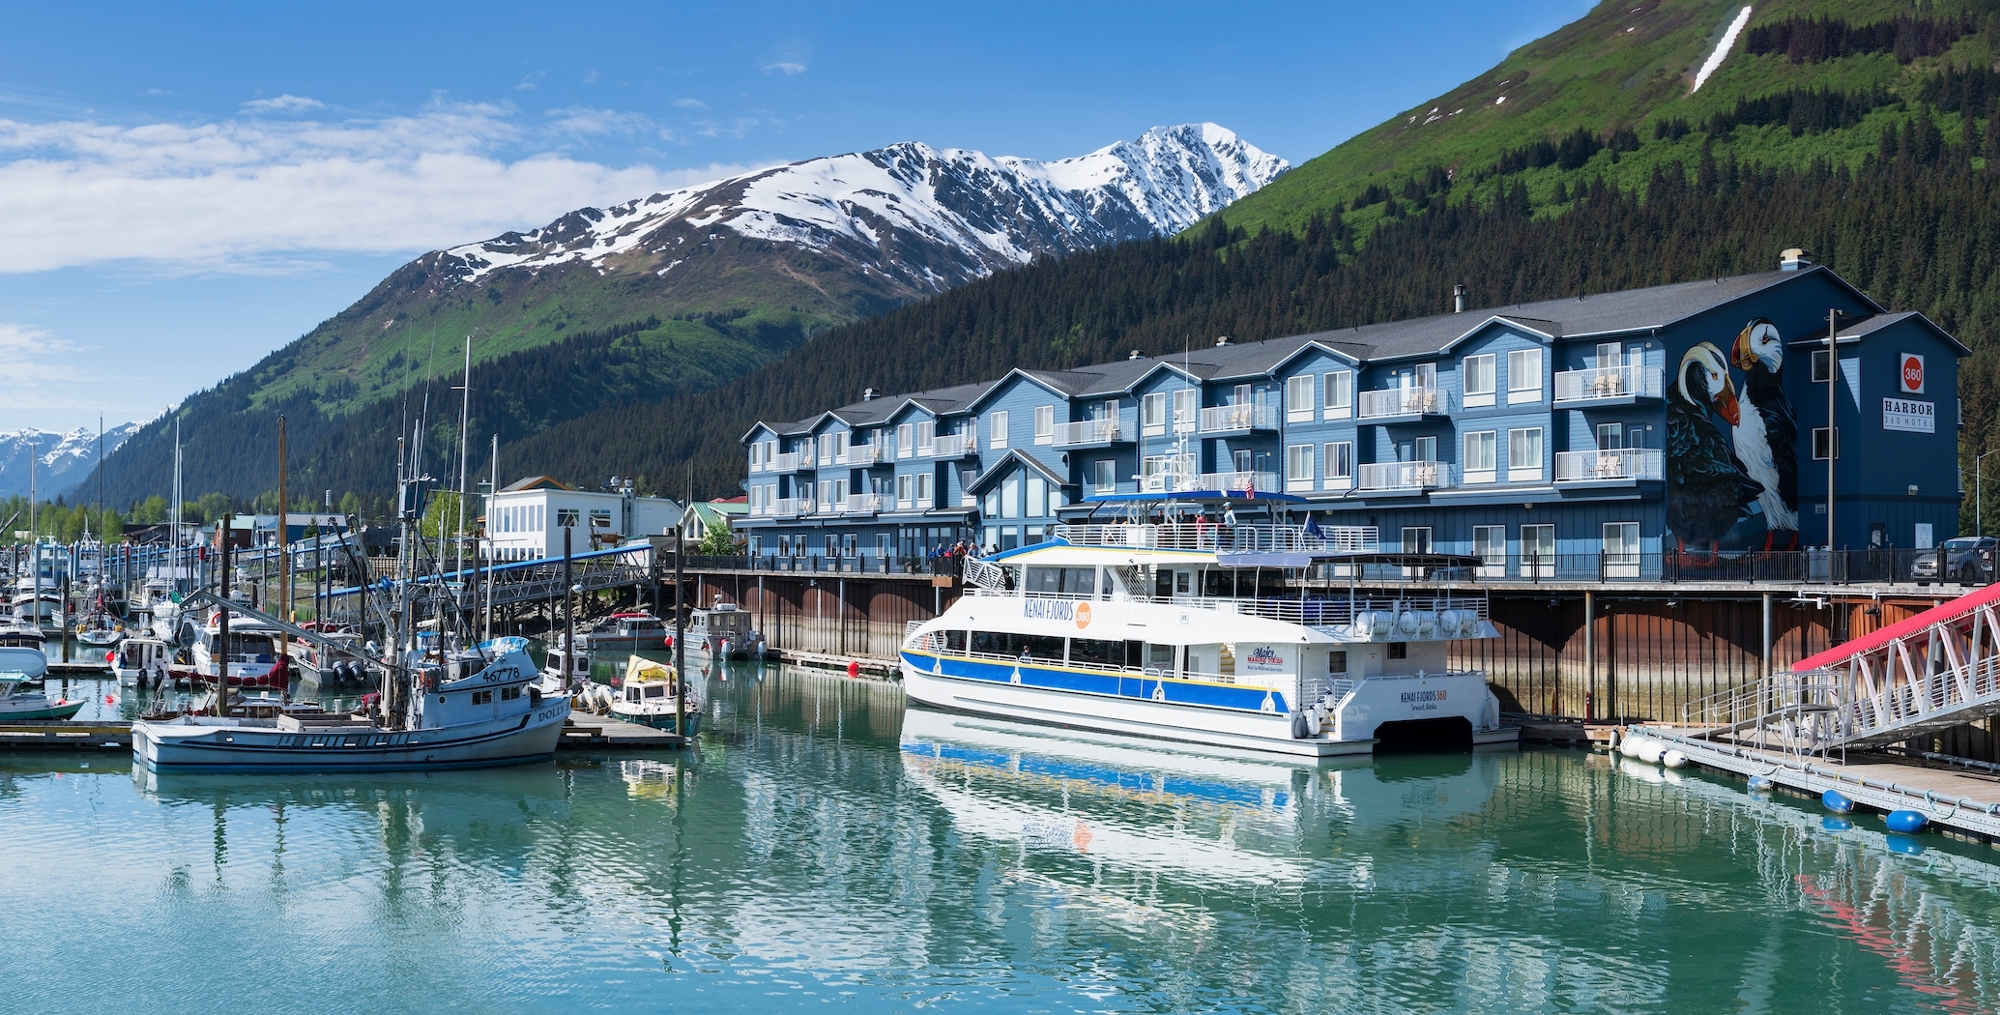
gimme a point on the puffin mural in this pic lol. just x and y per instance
(1708, 487)
(1767, 439)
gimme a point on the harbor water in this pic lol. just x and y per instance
(822, 850)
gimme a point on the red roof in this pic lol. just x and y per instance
(1900, 629)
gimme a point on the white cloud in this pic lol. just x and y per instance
(787, 69)
(283, 104)
(585, 120)
(690, 104)
(254, 195)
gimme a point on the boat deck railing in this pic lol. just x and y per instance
(1411, 615)
(933, 646)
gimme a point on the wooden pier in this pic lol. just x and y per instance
(583, 731)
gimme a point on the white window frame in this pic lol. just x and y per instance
(1545, 564)
(1298, 467)
(925, 497)
(1299, 398)
(926, 437)
(1035, 496)
(1486, 366)
(1524, 376)
(1516, 438)
(1480, 456)
(1102, 469)
(1338, 393)
(1045, 424)
(906, 440)
(1624, 561)
(1337, 465)
(906, 491)
(996, 429)
(1187, 409)
(1492, 564)
(1153, 414)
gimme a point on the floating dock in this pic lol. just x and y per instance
(1955, 801)
(582, 732)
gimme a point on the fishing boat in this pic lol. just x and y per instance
(1289, 639)
(333, 662)
(14, 634)
(649, 695)
(28, 666)
(725, 631)
(255, 658)
(630, 631)
(141, 661)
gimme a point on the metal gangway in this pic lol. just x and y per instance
(507, 584)
(1927, 673)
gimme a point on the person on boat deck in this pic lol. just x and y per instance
(1024, 654)
(1228, 521)
(1200, 529)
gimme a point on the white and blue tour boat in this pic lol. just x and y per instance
(1270, 637)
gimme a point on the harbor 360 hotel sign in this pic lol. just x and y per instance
(1909, 414)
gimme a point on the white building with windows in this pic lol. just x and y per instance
(525, 519)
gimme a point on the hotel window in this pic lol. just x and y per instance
(1299, 398)
(1338, 391)
(1479, 380)
(1481, 451)
(1045, 424)
(1489, 544)
(1621, 549)
(924, 499)
(1416, 539)
(1426, 449)
(996, 425)
(1299, 467)
(1110, 412)
(1611, 436)
(906, 489)
(1524, 455)
(1038, 496)
(1010, 496)
(881, 544)
(1524, 376)
(905, 440)
(1338, 464)
(1819, 443)
(1819, 370)
(1538, 551)
(1186, 403)
(1105, 477)
(1153, 413)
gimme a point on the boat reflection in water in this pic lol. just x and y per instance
(1212, 818)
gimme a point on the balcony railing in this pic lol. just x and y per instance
(1225, 418)
(1401, 402)
(1089, 431)
(1405, 476)
(1631, 380)
(1612, 463)
(863, 503)
(790, 461)
(791, 507)
(867, 454)
(954, 445)
(1213, 536)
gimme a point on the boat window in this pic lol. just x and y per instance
(632, 693)
(954, 641)
(510, 693)
(1068, 581)
(1097, 652)
(482, 697)
(1336, 662)
(1399, 650)
(656, 690)
(1045, 648)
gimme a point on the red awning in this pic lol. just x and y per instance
(1900, 629)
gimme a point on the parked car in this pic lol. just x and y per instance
(1966, 559)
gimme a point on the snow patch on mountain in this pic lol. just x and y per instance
(61, 460)
(931, 217)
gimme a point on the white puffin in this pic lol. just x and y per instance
(1767, 439)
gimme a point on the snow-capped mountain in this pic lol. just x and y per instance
(924, 218)
(62, 460)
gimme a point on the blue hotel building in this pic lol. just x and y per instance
(1684, 419)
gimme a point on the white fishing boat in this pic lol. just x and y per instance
(1291, 640)
(141, 661)
(20, 666)
(254, 654)
(649, 695)
(333, 662)
(629, 631)
(725, 631)
(100, 630)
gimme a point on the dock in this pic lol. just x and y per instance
(581, 732)
(1967, 803)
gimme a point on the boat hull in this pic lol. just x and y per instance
(218, 745)
(660, 720)
(42, 712)
(1193, 724)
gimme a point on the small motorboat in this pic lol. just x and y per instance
(141, 661)
(649, 695)
(627, 631)
(26, 666)
(725, 631)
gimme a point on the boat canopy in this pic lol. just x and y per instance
(1310, 558)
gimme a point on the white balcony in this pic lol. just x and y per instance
(1621, 382)
(954, 445)
(1401, 402)
(1410, 476)
(867, 454)
(790, 507)
(1235, 482)
(1609, 465)
(1088, 432)
(863, 504)
(1231, 418)
(790, 461)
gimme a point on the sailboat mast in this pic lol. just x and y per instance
(284, 547)
(493, 487)
(464, 417)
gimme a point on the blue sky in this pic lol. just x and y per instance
(187, 190)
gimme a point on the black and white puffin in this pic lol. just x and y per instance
(1707, 489)
(1767, 441)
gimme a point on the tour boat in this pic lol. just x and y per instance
(27, 666)
(648, 696)
(1267, 637)
(725, 631)
(631, 631)
(463, 709)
